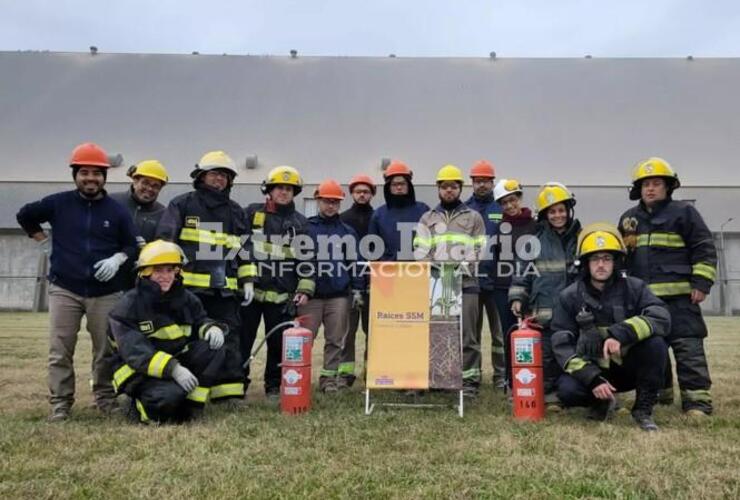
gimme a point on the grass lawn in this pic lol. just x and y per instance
(337, 451)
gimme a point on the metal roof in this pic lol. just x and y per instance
(580, 121)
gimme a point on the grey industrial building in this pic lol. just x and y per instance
(583, 122)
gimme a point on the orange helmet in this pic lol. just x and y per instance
(89, 154)
(397, 168)
(362, 179)
(483, 168)
(329, 189)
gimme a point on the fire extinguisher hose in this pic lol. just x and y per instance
(294, 323)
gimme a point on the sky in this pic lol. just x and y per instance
(407, 28)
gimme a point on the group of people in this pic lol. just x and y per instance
(174, 296)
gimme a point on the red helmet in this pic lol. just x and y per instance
(397, 168)
(362, 179)
(483, 168)
(89, 154)
(329, 189)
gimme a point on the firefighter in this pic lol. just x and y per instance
(453, 232)
(338, 286)
(282, 283)
(92, 237)
(517, 224)
(483, 177)
(608, 332)
(208, 226)
(671, 248)
(147, 180)
(400, 209)
(167, 354)
(536, 283)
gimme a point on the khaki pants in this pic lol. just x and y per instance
(65, 315)
(471, 341)
(334, 314)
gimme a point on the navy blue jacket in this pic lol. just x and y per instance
(491, 212)
(84, 232)
(331, 279)
(383, 223)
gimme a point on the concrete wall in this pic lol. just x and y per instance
(19, 264)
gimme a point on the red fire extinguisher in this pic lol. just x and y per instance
(295, 389)
(527, 374)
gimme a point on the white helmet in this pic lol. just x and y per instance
(505, 187)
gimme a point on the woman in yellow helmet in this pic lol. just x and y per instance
(168, 356)
(540, 276)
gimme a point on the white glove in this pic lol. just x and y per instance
(107, 268)
(248, 293)
(357, 301)
(215, 337)
(184, 378)
(45, 245)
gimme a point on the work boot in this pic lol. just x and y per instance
(328, 385)
(665, 396)
(109, 407)
(59, 413)
(642, 411)
(343, 383)
(602, 410)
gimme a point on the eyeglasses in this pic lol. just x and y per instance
(602, 258)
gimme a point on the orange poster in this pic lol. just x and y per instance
(402, 301)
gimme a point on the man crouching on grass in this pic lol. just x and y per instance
(608, 331)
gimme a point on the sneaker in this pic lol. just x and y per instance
(272, 395)
(645, 421)
(470, 391)
(59, 413)
(602, 410)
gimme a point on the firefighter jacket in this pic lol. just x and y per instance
(670, 248)
(209, 227)
(336, 247)
(84, 231)
(454, 235)
(398, 209)
(490, 210)
(625, 310)
(146, 218)
(554, 269)
(273, 230)
(148, 329)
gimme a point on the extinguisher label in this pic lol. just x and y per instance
(292, 391)
(291, 377)
(525, 393)
(524, 351)
(293, 349)
(525, 376)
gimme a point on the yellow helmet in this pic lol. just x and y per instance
(600, 237)
(450, 173)
(215, 160)
(652, 167)
(149, 168)
(551, 194)
(157, 253)
(283, 175)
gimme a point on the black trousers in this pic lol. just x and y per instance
(642, 369)
(687, 342)
(163, 400)
(273, 314)
(226, 310)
